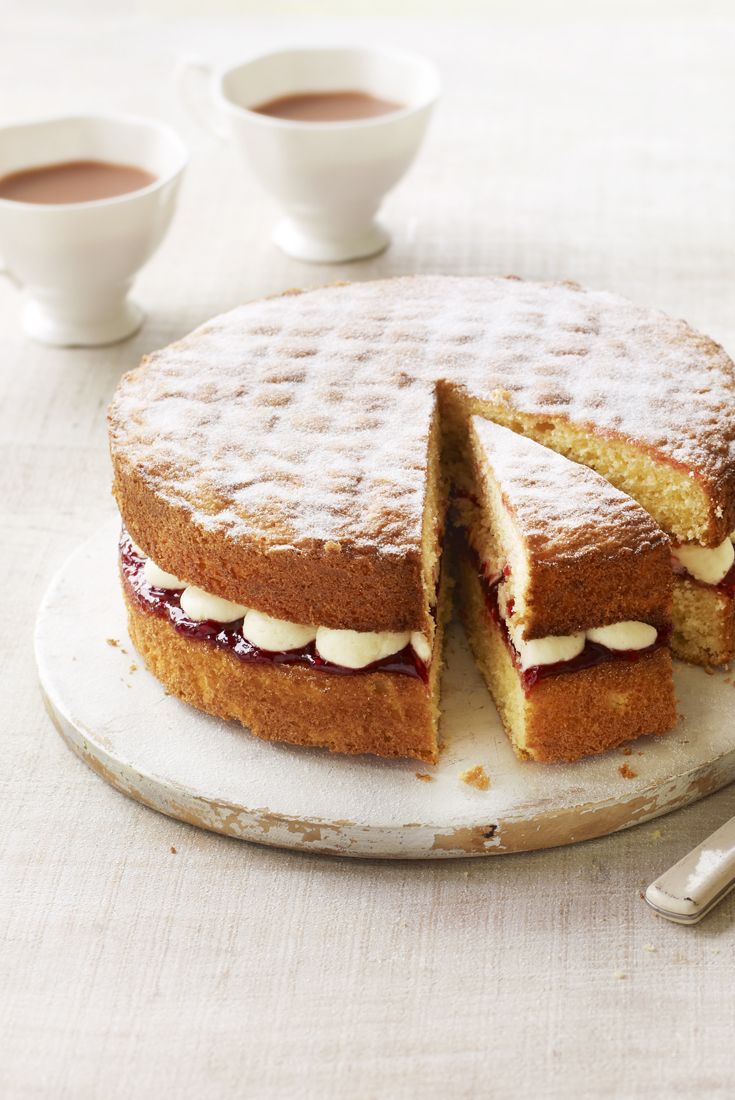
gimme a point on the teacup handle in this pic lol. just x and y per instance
(192, 78)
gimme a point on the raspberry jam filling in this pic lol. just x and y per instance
(165, 604)
(591, 656)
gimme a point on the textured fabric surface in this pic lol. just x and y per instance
(566, 146)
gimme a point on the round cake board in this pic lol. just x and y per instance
(213, 774)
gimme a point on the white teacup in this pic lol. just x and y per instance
(76, 261)
(328, 177)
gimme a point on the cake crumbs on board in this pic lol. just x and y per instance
(112, 642)
(627, 772)
(425, 777)
(476, 777)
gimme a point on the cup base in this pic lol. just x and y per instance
(292, 239)
(51, 328)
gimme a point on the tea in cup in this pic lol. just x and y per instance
(327, 132)
(84, 201)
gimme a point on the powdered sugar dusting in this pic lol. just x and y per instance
(566, 511)
(305, 418)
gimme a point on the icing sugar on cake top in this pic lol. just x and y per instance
(573, 552)
(304, 419)
(567, 511)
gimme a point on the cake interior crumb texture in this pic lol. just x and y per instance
(704, 622)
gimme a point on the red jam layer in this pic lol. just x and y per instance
(166, 604)
(591, 656)
(726, 585)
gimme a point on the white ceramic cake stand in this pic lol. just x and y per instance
(213, 774)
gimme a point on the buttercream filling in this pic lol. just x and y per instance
(538, 658)
(158, 577)
(708, 565)
(705, 565)
(275, 634)
(259, 638)
(200, 605)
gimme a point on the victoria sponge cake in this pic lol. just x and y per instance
(283, 475)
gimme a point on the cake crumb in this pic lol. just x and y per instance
(173, 850)
(133, 667)
(709, 670)
(657, 834)
(648, 947)
(618, 974)
(627, 772)
(113, 642)
(425, 777)
(627, 751)
(476, 777)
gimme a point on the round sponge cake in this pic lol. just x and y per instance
(294, 455)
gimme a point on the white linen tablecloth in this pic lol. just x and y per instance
(591, 142)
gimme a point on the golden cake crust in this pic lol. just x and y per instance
(385, 714)
(331, 585)
(277, 456)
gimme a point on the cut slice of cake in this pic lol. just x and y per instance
(565, 592)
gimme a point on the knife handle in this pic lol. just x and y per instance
(699, 881)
